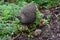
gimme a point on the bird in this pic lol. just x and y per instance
(27, 14)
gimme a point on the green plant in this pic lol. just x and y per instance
(20, 2)
(8, 21)
(30, 36)
(46, 3)
(1, 2)
(39, 16)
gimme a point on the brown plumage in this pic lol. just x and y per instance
(27, 14)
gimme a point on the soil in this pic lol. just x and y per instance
(49, 32)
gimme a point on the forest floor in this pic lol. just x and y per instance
(49, 32)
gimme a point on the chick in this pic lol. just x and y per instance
(27, 14)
